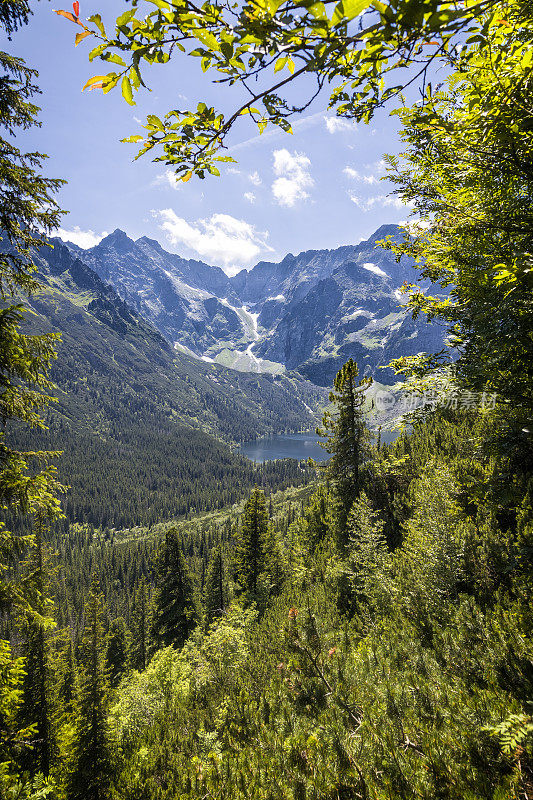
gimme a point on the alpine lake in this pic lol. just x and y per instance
(294, 445)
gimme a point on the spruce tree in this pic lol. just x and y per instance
(347, 435)
(214, 587)
(91, 774)
(175, 614)
(250, 542)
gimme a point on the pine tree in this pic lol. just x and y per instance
(91, 774)
(347, 435)
(117, 651)
(67, 684)
(36, 707)
(214, 587)
(175, 613)
(272, 560)
(368, 555)
(317, 519)
(250, 542)
(13, 737)
(27, 213)
(140, 628)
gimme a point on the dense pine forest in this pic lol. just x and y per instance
(358, 629)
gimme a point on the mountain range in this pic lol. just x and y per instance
(147, 404)
(146, 431)
(309, 312)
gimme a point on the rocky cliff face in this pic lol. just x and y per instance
(309, 312)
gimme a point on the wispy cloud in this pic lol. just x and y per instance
(274, 132)
(338, 124)
(84, 239)
(222, 239)
(250, 196)
(354, 175)
(293, 177)
(368, 203)
(255, 178)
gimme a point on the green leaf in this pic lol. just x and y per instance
(114, 59)
(125, 18)
(160, 4)
(97, 20)
(97, 51)
(155, 122)
(127, 92)
(347, 10)
(207, 38)
(318, 10)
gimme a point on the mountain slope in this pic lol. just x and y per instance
(309, 312)
(132, 413)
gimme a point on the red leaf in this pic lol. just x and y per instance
(76, 7)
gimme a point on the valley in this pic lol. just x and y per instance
(190, 607)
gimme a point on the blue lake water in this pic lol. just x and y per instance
(292, 445)
(284, 445)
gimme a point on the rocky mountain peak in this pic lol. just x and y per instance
(119, 240)
(311, 311)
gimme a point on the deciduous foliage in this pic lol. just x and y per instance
(466, 169)
(264, 46)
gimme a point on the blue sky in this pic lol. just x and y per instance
(319, 188)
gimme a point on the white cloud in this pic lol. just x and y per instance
(375, 269)
(255, 178)
(379, 167)
(354, 175)
(337, 124)
(232, 243)
(168, 178)
(368, 203)
(84, 239)
(293, 177)
(250, 196)
(351, 173)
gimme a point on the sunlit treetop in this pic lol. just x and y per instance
(364, 53)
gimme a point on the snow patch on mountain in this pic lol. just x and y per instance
(375, 269)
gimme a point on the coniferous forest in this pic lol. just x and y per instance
(354, 629)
